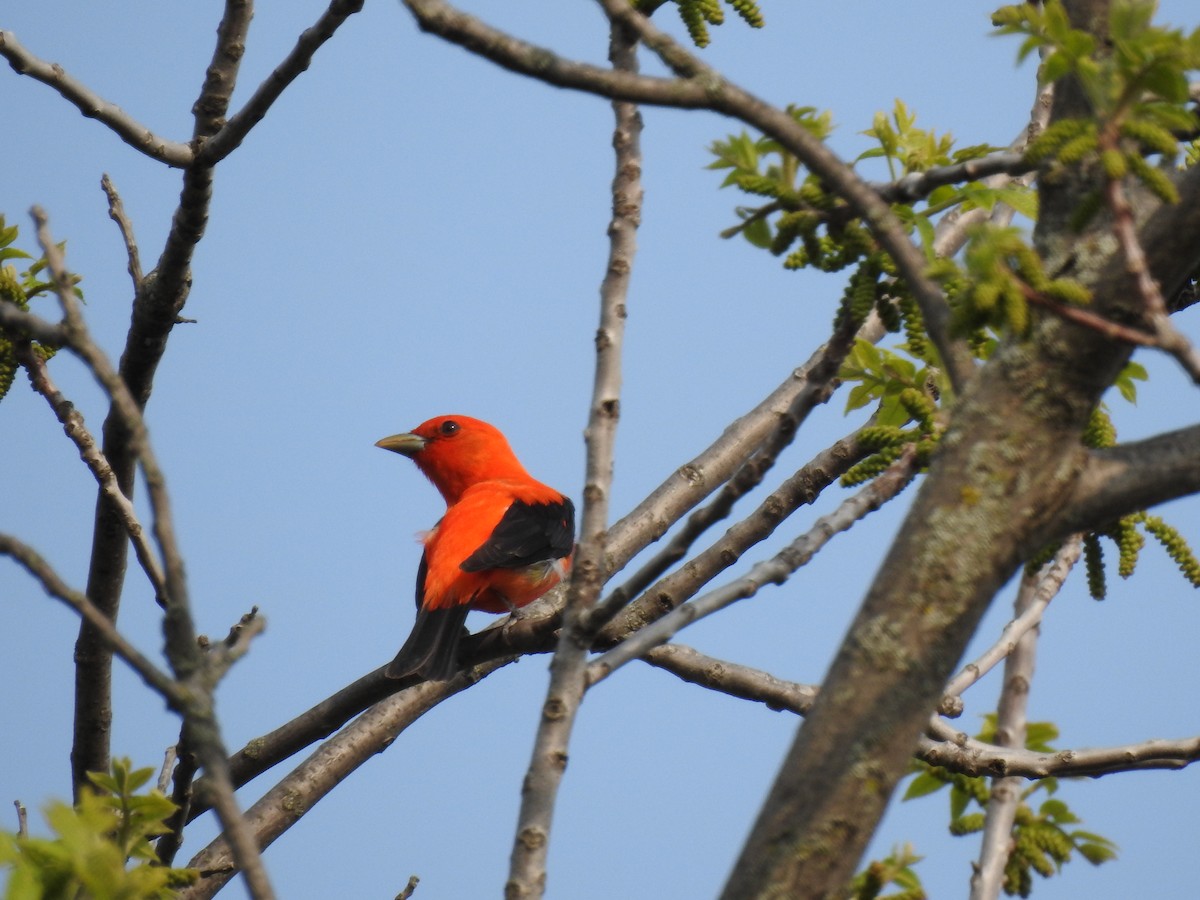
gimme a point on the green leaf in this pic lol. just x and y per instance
(1096, 853)
(923, 785)
(1124, 382)
(758, 232)
(1058, 812)
(860, 396)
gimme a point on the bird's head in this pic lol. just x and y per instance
(455, 452)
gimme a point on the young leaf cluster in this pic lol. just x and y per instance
(809, 227)
(1042, 838)
(697, 15)
(19, 287)
(904, 397)
(93, 844)
(1136, 83)
(1001, 274)
(894, 869)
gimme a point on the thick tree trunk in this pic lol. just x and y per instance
(998, 489)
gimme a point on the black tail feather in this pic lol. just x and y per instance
(431, 651)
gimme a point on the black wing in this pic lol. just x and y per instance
(528, 533)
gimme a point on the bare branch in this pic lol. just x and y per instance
(52, 584)
(74, 427)
(1029, 617)
(701, 87)
(22, 819)
(230, 137)
(284, 804)
(1011, 717)
(941, 745)
(20, 325)
(539, 789)
(802, 488)
(776, 570)
(1133, 476)
(92, 105)
(116, 212)
(733, 679)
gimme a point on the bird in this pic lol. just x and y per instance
(504, 540)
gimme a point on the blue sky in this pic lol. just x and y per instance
(412, 231)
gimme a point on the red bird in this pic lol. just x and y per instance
(504, 541)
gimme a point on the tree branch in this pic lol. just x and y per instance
(52, 584)
(74, 427)
(701, 87)
(1011, 718)
(539, 789)
(284, 804)
(1130, 477)
(776, 570)
(1050, 582)
(92, 105)
(941, 745)
(918, 185)
(231, 135)
(116, 212)
(803, 487)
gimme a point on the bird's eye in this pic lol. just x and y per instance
(449, 428)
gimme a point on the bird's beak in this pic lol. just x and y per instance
(406, 444)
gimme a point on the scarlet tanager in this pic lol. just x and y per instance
(504, 540)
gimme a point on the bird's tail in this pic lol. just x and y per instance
(431, 651)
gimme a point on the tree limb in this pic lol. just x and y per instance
(699, 86)
(297, 793)
(539, 788)
(1011, 717)
(1117, 481)
(776, 570)
(92, 105)
(234, 131)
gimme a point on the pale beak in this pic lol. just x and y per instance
(405, 444)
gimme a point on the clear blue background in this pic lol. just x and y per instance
(413, 231)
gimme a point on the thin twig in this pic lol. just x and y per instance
(22, 819)
(539, 789)
(1030, 616)
(74, 427)
(116, 212)
(1089, 319)
(1011, 718)
(1165, 335)
(92, 105)
(52, 584)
